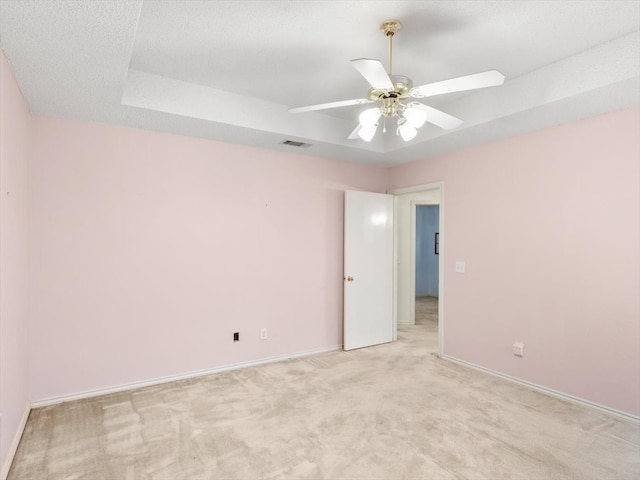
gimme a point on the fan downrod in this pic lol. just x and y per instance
(389, 28)
(401, 85)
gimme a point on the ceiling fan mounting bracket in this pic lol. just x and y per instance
(390, 27)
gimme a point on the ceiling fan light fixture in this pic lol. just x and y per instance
(406, 130)
(367, 132)
(370, 117)
(415, 116)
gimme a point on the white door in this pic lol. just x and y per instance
(368, 269)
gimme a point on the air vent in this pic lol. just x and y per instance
(293, 143)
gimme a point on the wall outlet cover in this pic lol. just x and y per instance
(518, 349)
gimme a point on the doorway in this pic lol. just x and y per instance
(407, 201)
(427, 251)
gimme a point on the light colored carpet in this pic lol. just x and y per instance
(427, 312)
(394, 411)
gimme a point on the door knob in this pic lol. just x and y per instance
(349, 278)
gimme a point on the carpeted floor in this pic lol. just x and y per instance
(427, 311)
(393, 411)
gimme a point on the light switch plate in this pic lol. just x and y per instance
(461, 267)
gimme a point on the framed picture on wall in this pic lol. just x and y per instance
(437, 243)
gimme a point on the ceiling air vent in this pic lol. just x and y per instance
(293, 143)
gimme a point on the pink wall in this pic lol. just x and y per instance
(549, 226)
(14, 256)
(150, 250)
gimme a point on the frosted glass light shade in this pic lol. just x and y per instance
(369, 117)
(407, 131)
(367, 132)
(415, 116)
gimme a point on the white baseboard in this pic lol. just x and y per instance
(548, 391)
(14, 445)
(172, 378)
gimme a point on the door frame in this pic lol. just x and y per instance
(428, 187)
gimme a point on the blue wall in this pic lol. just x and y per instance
(427, 221)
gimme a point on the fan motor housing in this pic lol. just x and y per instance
(402, 87)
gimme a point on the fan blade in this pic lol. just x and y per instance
(438, 117)
(373, 72)
(324, 106)
(491, 78)
(354, 135)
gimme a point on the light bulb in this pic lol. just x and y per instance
(367, 132)
(415, 116)
(407, 131)
(369, 117)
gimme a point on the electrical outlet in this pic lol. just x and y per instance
(461, 267)
(236, 336)
(518, 349)
(263, 334)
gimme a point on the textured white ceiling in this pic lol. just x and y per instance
(228, 70)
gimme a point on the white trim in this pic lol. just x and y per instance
(394, 316)
(416, 188)
(441, 272)
(172, 378)
(412, 261)
(548, 391)
(14, 445)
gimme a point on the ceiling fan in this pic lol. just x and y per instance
(394, 95)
